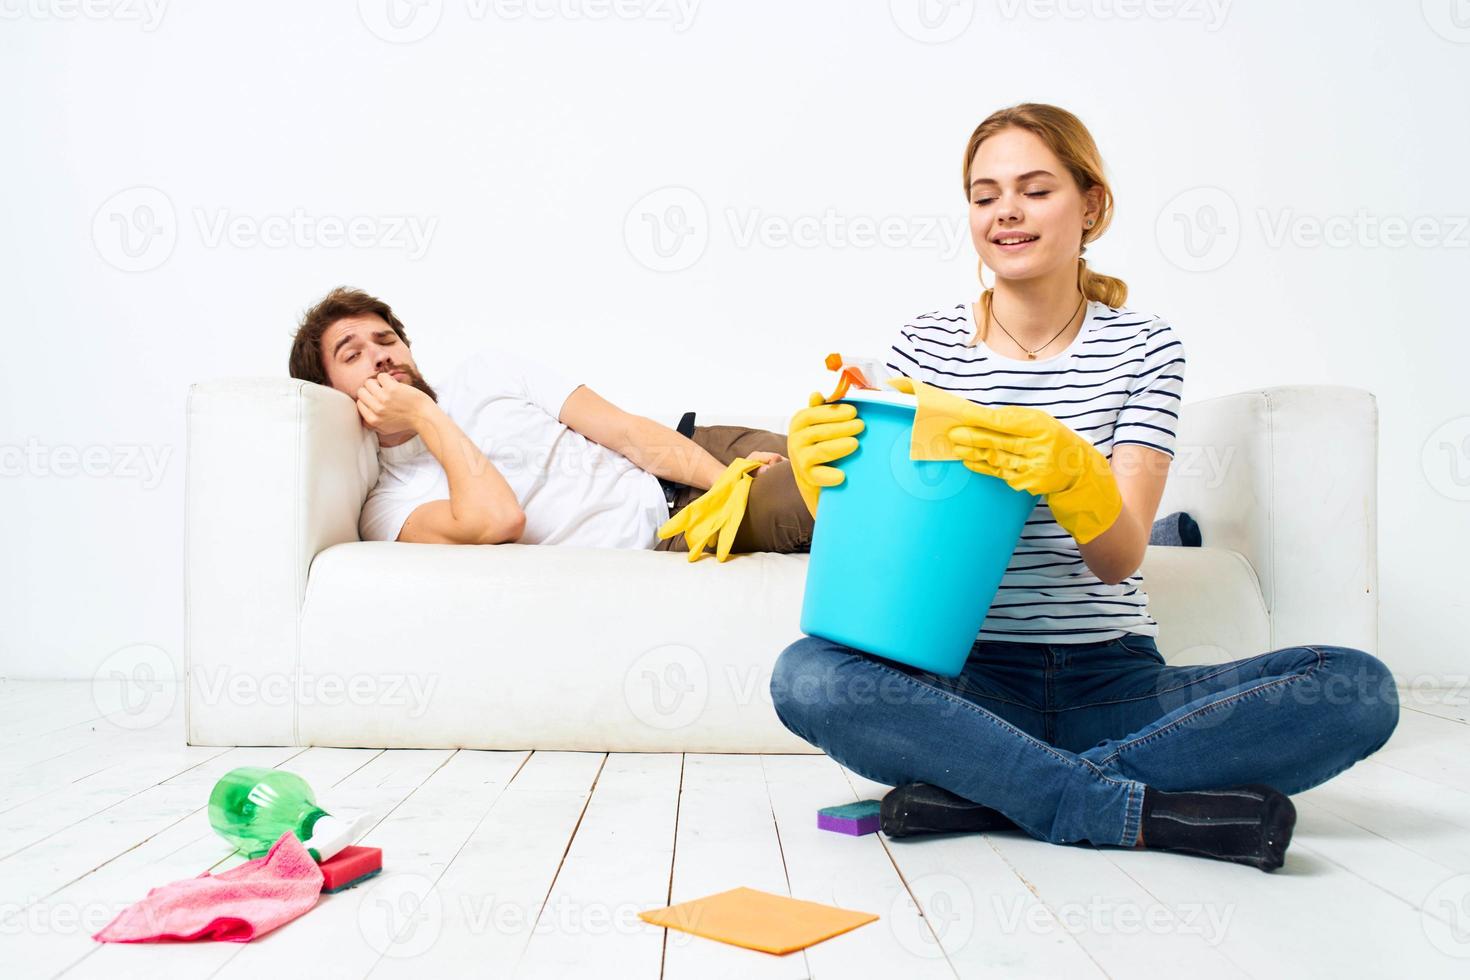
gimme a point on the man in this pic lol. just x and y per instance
(517, 452)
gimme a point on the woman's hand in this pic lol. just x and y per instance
(1031, 450)
(820, 434)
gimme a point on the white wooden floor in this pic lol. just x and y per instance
(536, 864)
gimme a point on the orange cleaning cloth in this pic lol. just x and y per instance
(758, 920)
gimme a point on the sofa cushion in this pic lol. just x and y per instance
(415, 645)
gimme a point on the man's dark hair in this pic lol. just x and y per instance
(342, 302)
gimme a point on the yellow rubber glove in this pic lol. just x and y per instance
(716, 514)
(820, 434)
(1028, 448)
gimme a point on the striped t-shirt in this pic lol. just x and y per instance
(1120, 380)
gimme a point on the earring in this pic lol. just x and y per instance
(1089, 223)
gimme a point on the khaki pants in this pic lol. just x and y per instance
(776, 518)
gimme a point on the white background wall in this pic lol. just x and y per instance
(171, 169)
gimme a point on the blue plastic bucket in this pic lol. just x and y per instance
(908, 554)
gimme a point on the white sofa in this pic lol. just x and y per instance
(297, 633)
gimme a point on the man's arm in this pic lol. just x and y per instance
(650, 446)
(1118, 552)
(482, 508)
(435, 523)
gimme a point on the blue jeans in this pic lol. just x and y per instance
(1063, 738)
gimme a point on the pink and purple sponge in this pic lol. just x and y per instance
(856, 819)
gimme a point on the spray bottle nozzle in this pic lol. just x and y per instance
(850, 374)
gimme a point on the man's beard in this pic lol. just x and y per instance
(416, 379)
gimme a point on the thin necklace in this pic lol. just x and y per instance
(1031, 354)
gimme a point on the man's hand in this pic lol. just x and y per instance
(767, 460)
(389, 406)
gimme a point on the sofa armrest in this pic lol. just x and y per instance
(277, 470)
(1288, 477)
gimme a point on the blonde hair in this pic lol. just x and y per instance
(1066, 136)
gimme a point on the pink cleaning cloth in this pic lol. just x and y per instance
(236, 905)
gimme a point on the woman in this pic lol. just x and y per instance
(1065, 722)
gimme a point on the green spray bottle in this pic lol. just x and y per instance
(252, 807)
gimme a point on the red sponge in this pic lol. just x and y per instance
(349, 866)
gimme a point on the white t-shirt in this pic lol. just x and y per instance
(573, 491)
(1121, 380)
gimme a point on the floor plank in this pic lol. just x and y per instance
(1435, 748)
(1408, 811)
(375, 784)
(535, 864)
(23, 753)
(58, 931)
(471, 918)
(1117, 922)
(727, 838)
(1357, 927)
(58, 705)
(419, 837)
(37, 872)
(618, 865)
(987, 918)
(1404, 873)
(84, 724)
(22, 782)
(1450, 702)
(49, 813)
(850, 872)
